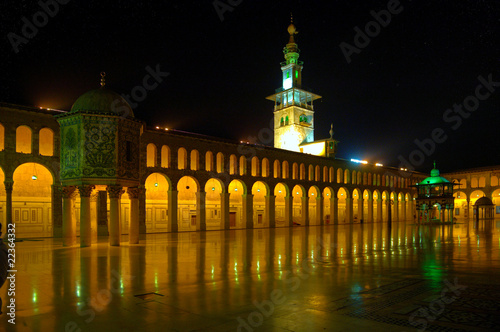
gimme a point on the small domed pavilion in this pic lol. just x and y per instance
(435, 201)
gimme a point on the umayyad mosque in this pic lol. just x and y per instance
(97, 170)
(125, 227)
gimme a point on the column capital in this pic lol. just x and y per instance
(134, 192)
(68, 192)
(85, 190)
(94, 196)
(115, 191)
(9, 186)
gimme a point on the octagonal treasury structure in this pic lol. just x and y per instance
(100, 142)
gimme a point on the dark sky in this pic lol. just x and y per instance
(395, 91)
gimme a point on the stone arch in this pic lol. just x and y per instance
(343, 196)
(314, 205)
(299, 212)
(214, 187)
(24, 139)
(165, 156)
(328, 195)
(237, 190)
(46, 142)
(157, 187)
(32, 200)
(188, 189)
(260, 190)
(377, 206)
(282, 193)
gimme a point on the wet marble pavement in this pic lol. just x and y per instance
(356, 277)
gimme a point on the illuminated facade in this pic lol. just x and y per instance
(96, 170)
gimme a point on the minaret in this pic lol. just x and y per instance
(293, 104)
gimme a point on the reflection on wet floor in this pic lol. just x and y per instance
(344, 277)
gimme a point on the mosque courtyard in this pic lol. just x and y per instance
(347, 277)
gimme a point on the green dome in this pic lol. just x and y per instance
(102, 101)
(434, 178)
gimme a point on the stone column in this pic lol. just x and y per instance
(9, 186)
(133, 232)
(319, 211)
(224, 210)
(115, 193)
(85, 223)
(403, 210)
(305, 211)
(142, 210)
(288, 211)
(379, 210)
(334, 208)
(270, 211)
(247, 201)
(201, 222)
(348, 210)
(69, 224)
(360, 208)
(56, 204)
(173, 223)
(93, 215)
(396, 209)
(370, 210)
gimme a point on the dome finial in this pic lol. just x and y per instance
(103, 79)
(291, 17)
(434, 164)
(331, 131)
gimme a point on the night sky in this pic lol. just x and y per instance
(395, 91)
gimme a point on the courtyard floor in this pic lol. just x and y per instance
(355, 277)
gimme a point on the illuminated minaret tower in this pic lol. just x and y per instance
(293, 104)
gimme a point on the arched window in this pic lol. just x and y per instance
(233, 164)
(354, 178)
(302, 172)
(295, 171)
(317, 173)
(23, 139)
(494, 180)
(286, 120)
(195, 160)
(151, 155)
(209, 161)
(2, 137)
(255, 166)
(282, 122)
(265, 167)
(276, 168)
(332, 175)
(243, 165)
(285, 170)
(474, 183)
(482, 182)
(165, 156)
(347, 176)
(463, 184)
(46, 142)
(181, 158)
(220, 162)
(325, 174)
(311, 173)
(339, 175)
